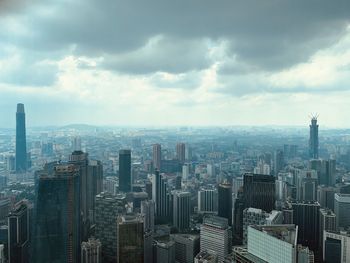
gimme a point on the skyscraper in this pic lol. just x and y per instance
(180, 152)
(125, 171)
(181, 210)
(21, 142)
(225, 201)
(278, 162)
(259, 191)
(208, 200)
(57, 236)
(161, 196)
(313, 142)
(108, 207)
(130, 239)
(306, 216)
(157, 156)
(18, 235)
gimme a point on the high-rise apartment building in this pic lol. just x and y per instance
(57, 236)
(18, 233)
(91, 251)
(21, 141)
(216, 235)
(157, 156)
(181, 210)
(125, 171)
(313, 141)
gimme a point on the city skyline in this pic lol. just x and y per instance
(138, 63)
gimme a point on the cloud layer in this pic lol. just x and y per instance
(174, 62)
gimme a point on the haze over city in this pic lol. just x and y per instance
(175, 62)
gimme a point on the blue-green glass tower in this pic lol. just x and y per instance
(21, 144)
(57, 236)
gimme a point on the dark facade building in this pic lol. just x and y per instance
(125, 171)
(161, 196)
(21, 143)
(313, 142)
(225, 201)
(130, 239)
(18, 235)
(306, 217)
(259, 191)
(57, 236)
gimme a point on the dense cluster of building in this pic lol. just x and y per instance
(175, 204)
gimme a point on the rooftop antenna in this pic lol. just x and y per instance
(313, 116)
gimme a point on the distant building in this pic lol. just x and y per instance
(342, 209)
(21, 141)
(91, 251)
(180, 152)
(125, 171)
(157, 156)
(216, 235)
(313, 141)
(130, 239)
(18, 235)
(278, 162)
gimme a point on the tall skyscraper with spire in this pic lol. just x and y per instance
(21, 144)
(313, 142)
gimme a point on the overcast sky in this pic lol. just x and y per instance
(183, 62)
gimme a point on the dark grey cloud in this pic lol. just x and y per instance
(263, 35)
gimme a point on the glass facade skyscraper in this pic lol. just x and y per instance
(21, 143)
(125, 171)
(57, 236)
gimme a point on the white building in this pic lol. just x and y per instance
(215, 235)
(274, 244)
